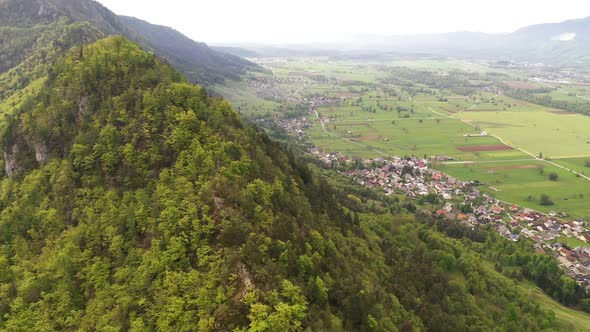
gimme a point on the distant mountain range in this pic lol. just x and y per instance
(30, 25)
(565, 43)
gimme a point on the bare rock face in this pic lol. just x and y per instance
(41, 152)
(246, 280)
(10, 163)
(83, 106)
(41, 11)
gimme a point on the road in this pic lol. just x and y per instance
(513, 146)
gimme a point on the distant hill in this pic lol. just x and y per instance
(578, 29)
(237, 51)
(560, 43)
(564, 43)
(24, 22)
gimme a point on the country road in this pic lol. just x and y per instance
(513, 146)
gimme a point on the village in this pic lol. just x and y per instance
(463, 202)
(459, 201)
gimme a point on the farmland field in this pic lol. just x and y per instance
(581, 165)
(436, 108)
(523, 182)
(422, 133)
(555, 135)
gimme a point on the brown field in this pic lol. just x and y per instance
(478, 148)
(484, 110)
(519, 102)
(563, 112)
(496, 124)
(520, 85)
(450, 110)
(503, 168)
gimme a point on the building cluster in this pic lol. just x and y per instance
(295, 126)
(464, 203)
(403, 175)
(332, 160)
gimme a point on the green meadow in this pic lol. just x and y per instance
(581, 165)
(555, 135)
(523, 182)
(568, 319)
(419, 132)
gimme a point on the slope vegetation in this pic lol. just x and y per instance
(134, 201)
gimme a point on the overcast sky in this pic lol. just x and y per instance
(288, 21)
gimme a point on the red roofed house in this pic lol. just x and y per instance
(496, 209)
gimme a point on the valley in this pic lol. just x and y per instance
(152, 182)
(431, 108)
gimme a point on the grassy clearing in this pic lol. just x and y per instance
(568, 319)
(572, 242)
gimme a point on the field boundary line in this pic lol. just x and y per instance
(517, 148)
(467, 162)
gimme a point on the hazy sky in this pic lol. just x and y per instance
(288, 21)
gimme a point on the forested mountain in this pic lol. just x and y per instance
(43, 28)
(134, 201)
(237, 51)
(193, 59)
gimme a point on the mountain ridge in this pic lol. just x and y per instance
(196, 60)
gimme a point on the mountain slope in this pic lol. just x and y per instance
(136, 202)
(23, 21)
(555, 31)
(564, 43)
(191, 58)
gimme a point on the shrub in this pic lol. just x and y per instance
(545, 200)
